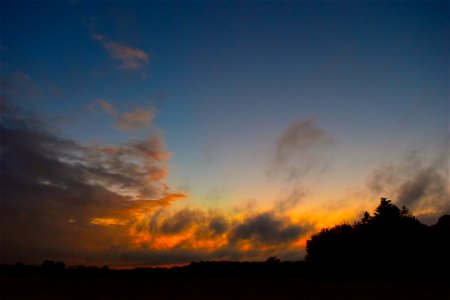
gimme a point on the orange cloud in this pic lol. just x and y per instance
(147, 205)
(217, 234)
(106, 107)
(136, 119)
(94, 194)
(109, 204)
(107, 221)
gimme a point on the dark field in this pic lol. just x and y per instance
(256, 281)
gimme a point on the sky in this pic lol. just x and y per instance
(158, 133)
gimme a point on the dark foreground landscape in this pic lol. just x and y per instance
(219, 280)
(387, 255)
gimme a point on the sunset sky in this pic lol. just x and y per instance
(158, 133)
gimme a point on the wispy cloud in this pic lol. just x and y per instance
(138, 118)
(300, 150)
(128, 57)
(20, 87)
(419, 185)
(105, 106)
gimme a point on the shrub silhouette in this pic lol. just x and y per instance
(273, 260)
(50, 265)
(391, 240)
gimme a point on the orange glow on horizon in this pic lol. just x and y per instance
(107, 221)
(142, 227)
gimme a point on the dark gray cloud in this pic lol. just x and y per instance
(426, 182)
(181, 221)
(206, 224)
(54, 190)
(218, 224)
(266, 229)
(418, 185)
(300, 150)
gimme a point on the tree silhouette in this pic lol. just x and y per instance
(390, 240)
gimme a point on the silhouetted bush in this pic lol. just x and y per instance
(49, 265)
(390, 241)
(273, 260)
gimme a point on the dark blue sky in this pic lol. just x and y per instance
(227, 78)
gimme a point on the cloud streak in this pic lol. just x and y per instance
(138, 118)
(128, 57)
(105, 106)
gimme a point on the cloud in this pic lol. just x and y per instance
(425, 182)
(219, 235)
(135, 119)
(109, 204)
(129, 58)
(218, 224)
(105, 106)
(20, 87)
(189, 226)
(59, 196)
(266, 229)
(290, 200)
(180, 221)
(300, 150)
(418, 185)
